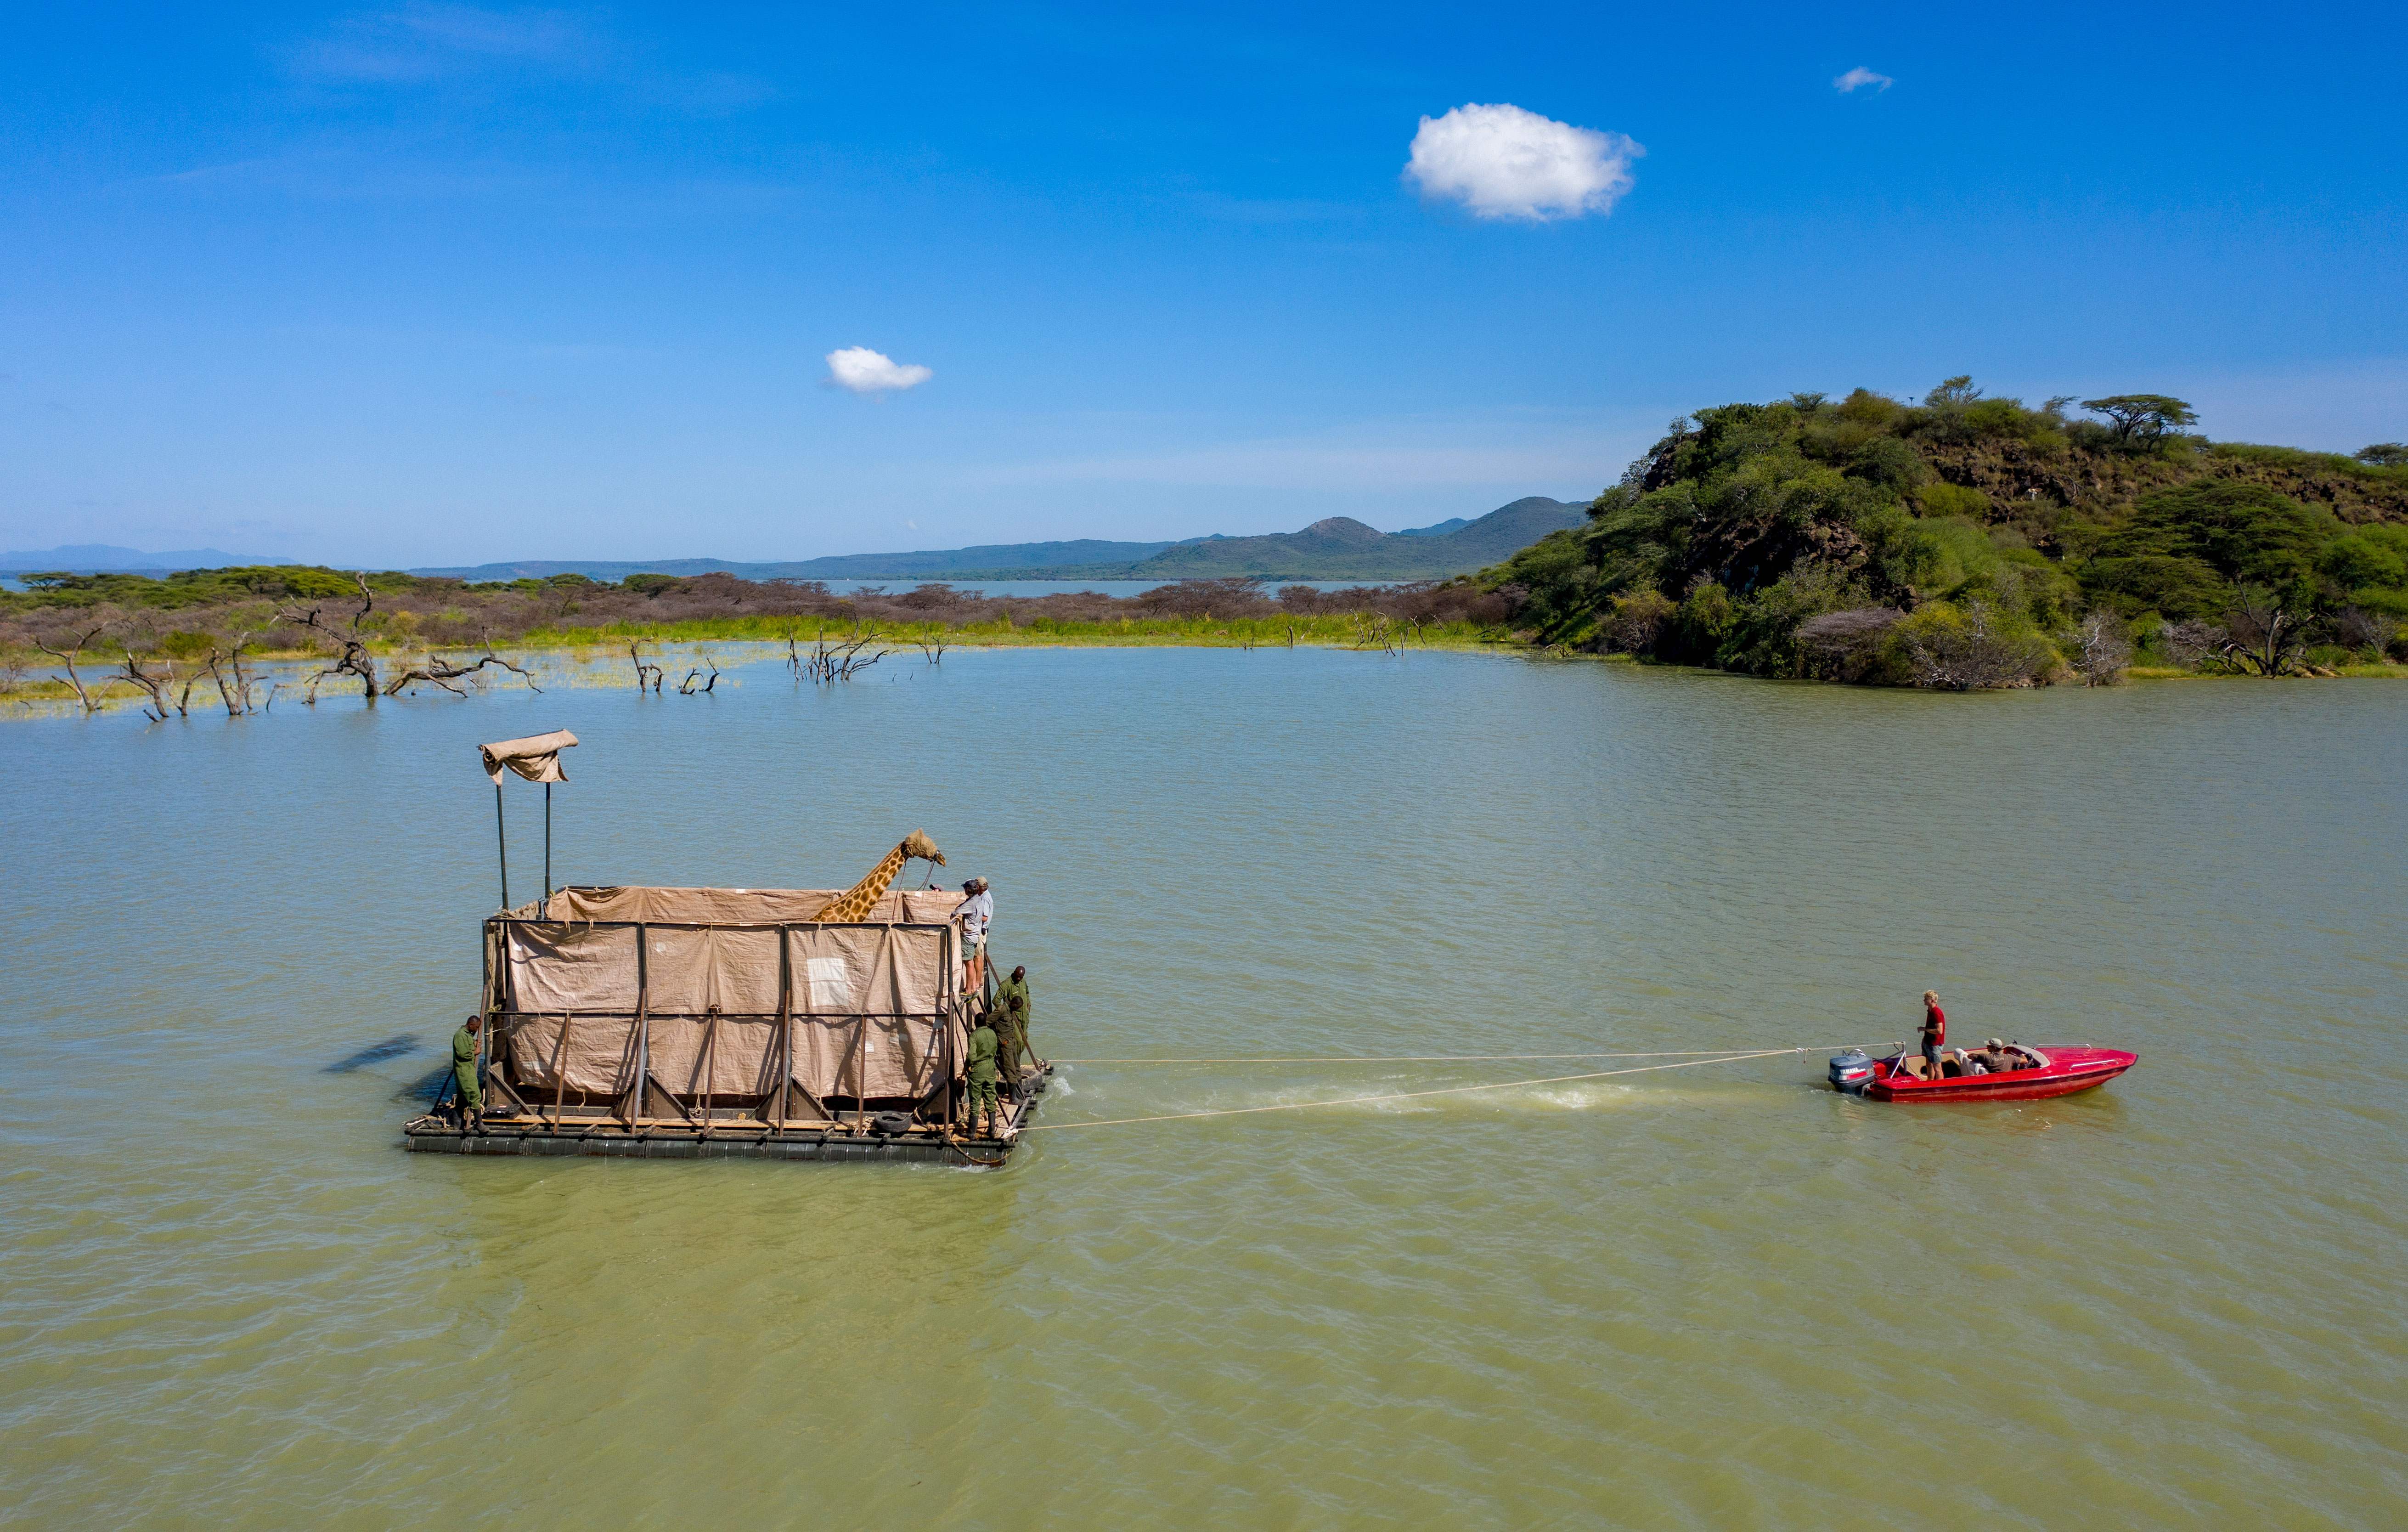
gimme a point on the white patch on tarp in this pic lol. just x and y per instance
(831, 981)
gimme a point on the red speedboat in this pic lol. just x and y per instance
(2039, 1072)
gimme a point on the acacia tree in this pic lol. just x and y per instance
(1973, 653)
(2384, 454)
(351, 641)
(353, 657)
(2265, 635)
(2143, 419)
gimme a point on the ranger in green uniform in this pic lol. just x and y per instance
(1012, 1023)
(982, 1077)
(463, 1074)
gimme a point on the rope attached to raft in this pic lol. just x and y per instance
(1409, 1095)
(1445, 1058)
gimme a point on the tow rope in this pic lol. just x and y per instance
(1438, 1058)
(1411, 1095)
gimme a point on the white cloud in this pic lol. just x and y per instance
(420, 41)
(865, 371)
(1502, 162)
(1861, 77)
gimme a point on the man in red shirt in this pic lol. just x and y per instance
(1935, 1033)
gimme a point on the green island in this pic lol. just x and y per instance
(1968, 542)
(1961, 543)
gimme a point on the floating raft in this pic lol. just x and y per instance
(709, 1024)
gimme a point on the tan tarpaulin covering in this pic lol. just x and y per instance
(537, 757)
(897, 1057)
(866, 1003)
(742, 905)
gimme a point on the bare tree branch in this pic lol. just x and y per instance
(351, 641)
(67, 657)
(153, 686)
(2105, 649)
(643, 672)
(442, 672)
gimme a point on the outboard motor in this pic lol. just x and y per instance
(1852, 1072)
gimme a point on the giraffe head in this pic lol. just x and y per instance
(919, 845)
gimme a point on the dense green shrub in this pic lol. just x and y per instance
(1749, 522)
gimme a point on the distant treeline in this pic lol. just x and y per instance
(188, 611)
(392, 626)
(1961, 542)
(1973, 542)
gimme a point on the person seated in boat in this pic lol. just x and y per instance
(1995, 1058)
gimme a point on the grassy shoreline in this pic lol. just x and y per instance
(600, 654)
(597, 655)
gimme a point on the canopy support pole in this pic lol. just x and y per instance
(546, 841)
(502, 845)
(643, 1028)
(785, 1029)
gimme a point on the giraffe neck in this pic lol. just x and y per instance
(855, 903)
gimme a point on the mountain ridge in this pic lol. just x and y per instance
(1333, 547)
(95, 558)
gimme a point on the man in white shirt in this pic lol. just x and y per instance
(976, 913)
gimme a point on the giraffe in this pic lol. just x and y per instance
(855, 903)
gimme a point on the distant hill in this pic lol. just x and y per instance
(1341, 548)
(93, 558)
(931, 564)
(1337, 548)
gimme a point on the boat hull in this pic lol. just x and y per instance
(2069, 1070)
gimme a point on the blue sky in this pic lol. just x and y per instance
(431, 283)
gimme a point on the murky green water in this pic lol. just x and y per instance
(1720, 1298)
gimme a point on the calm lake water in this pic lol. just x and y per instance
(1713, 1297)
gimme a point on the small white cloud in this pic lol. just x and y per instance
(1860, 77)
(865, 371)
(420, 41)
(1502, 162)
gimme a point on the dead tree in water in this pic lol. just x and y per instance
(933, 650)
(1374, 632)
(644, 673)
(237, 696)
(185, 697)
(351, 641)
(442, 672)
(155, 687)
(67, 657)
(687, 688)
(841, 660)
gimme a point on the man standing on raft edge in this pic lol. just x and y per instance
(985, 1115)
(1012, 1026)
(464, 1076)
(975, 913)
(1935, 1033)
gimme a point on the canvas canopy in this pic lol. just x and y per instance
(740, 906)
(716, 989)
(537, 757)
